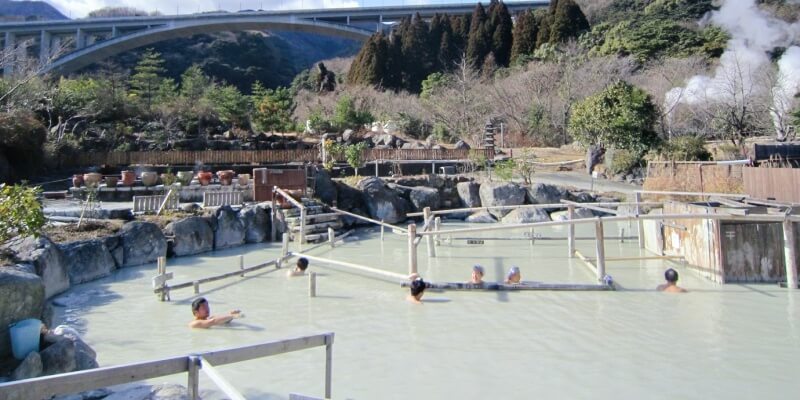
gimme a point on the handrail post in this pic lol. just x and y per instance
(193, 387)
(437, 225)
(639, 222)
(284, 249)
(601, 250)
(429, 238)
(383, 228)
(302, 227)
(789, 254)
(412, 249)
(328, 365)
(571, 231)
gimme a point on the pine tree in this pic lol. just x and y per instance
(417, 59)
(369, 65)
(479, 41)
(147, 77)
(459, 27)
(438, 26)
(502, 34)
(543, 21)
(394, 63)
(525, 31)
(448, 52)
(568, 22)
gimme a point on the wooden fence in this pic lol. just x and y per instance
(152, 203)
(780, 184)
(219, 199)
(250, 157)
(693, 177)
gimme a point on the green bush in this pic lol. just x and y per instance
(685, 148)
(505, 169)
(22, 140)
(623, 161)
(20, 212)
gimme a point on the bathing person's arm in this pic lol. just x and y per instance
(215, 320)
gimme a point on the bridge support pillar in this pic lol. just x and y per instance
(114, 32)
(44, 47)
(348, 20)
(380, 23)
(11, 54)
(80, 39)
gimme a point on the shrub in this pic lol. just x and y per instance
(354, 154)
(505, 169)
(20, 212)
(685, 148)
(623, 161)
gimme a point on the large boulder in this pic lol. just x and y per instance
(580, 213)
(526, 216)
(230, 230)
(462, 145)
(501, 194)
(422, 197)
(59, 358)
(481, 217)
(542, 193)
(256, 222)
(87, 260)
(22, 296)
(324, 187)
(594, 156)
(142, 243)
(114, 246)
(47, 259)
(192, 235)
(382, 202)
(85, 356)
(31, 367)
(469, 193)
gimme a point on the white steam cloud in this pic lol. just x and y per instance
(754, 33)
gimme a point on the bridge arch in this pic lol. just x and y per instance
(99, 51)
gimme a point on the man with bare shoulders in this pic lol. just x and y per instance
(417, 288)
(299, 269)
(203, 318)
(671, 286)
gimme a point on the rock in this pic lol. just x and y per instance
(22, 296)
(542, 193)
(324, 188)
(59, 358)
(481, 217)
(140, 392)
(47, 259)
(169, 391)
(190, 207)
(580, 213)
(114, 246)
(462, 145)
(350, 199)
(347, 135)
(501, 194)
(469, 194)
(85, 356)
(230, 230)
(31, 367)
(382, 202)
(142, 243)
(594, 156)
(87, 260)
(526, 215)
(192, 235)
(422, 197)
(580, 197)
(256, 222)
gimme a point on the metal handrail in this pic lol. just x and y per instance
(297, 204)
(76, 382)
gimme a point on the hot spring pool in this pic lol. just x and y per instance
(733, 341)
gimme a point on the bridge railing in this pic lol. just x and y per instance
(255, 157)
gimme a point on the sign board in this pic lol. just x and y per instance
(474, 241)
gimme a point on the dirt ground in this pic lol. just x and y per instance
(69, 232)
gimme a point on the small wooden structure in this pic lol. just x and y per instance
(776, 184)
(144, 204)
(264, 180)
(219, 199)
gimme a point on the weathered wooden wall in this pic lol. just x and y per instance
(699, 243)
(752, 252)
(693, 177)
(780, 184)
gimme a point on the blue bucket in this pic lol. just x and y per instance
(25, 337)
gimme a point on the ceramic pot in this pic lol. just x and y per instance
(225, 177)
(128, 178)
(243, 179)
(77, 180)
(168, 179)
(149, 178)
(204, 177)
(92, 179)
(111, 181)
(185, 177)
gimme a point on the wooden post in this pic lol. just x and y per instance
(331, 236)
(193, 387)
(328, 366)
(376, 168)
(284, 249)
(789, 255)
(429, 239)
(531, 233)
(622, 234)
(571, 231)
(196, 286)
(639, 222)
(437, 226)
(312, 284)
(601, 250)
(412, 249)
(241, 265)
(302, 228)
(383, 228)
(273, 231)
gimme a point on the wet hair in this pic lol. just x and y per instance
(197, 303)
(302, 263)
(478, 268)
(671, 275)
(417, 286)
(513, 271)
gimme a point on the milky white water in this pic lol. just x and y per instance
(733, 341)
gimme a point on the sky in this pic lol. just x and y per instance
(79, 8)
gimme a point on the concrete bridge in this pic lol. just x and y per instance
(67, 46)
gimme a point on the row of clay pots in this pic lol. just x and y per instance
(92, 179)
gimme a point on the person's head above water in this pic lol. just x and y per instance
(417, 287)
(200, 308)
(302, 263)
(671, 275)
(514, 275)
(477, 273)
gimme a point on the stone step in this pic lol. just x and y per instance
(321, 237)
(321, 227)
(310, 210)
(314, 218)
